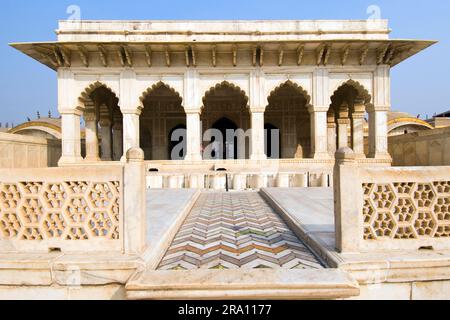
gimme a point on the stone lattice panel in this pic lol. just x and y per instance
(74, 210)
(406, 210)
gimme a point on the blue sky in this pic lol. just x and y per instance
(420, 85)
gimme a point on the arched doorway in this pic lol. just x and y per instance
(288, 112)
(348, 108)
(272, 145)
(225, 107)
(162, 113)
(103, 124)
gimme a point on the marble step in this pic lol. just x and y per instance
(247, 284)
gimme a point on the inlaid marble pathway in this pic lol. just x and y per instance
(236, 230)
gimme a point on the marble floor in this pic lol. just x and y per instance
(233, 231)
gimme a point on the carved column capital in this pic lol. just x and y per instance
(358, 115)
(372, 108)
(343, 121)
(90, 115)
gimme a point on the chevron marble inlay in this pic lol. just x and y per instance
(236, 230)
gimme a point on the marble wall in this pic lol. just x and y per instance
(17, 151)
(425, 148)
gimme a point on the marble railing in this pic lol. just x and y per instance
(402, 208)
(243, 180)
(73, 209)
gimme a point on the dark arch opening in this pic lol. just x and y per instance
(229, 148)
(272, 137)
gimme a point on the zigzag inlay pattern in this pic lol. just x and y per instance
(236, 230)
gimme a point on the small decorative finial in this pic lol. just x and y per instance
(50, 114)
(38, 115)
(28, 119)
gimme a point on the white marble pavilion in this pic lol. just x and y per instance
(135, 82)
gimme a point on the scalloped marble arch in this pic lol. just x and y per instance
(85, 96)
(224, 84)
(293, 85)
(157, 85)
(362, 91)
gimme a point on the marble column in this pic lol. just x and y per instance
(106, 134)
(257, 135)
(193, 136)
(131, 138)
(378, 129)
(71, 137)
(117, 140)
(342, 129)
(331, 132)
(92, 151)
(319, 144)
(358, 131)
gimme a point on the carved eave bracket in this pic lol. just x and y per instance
(167, 56)
(194, 56)
(214, 55)
(261, 56)
(234, 52)
(381, 53)
(66, 56)
(300, 54)
(344, 54)
(128, 56)
(186, 56)
(148, 55)
(84, 55)
(327, 54)
(363, 54)
(125, 56)
(280, 56)
(190, 56)
(47, 55)
(323, 53)
(103, 55)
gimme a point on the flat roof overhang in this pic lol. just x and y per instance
(55, 54)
